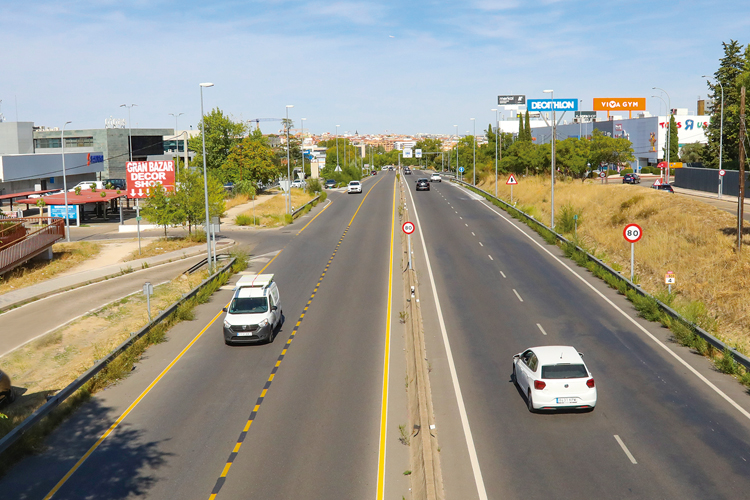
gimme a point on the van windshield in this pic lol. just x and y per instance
(249, 305)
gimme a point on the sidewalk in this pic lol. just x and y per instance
(69, 281)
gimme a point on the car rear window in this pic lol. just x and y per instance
(564, 371)
(249, 305)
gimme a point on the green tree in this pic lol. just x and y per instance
(527, 131)
(519, 157)
(674, 146)
(161, 209)
(428, 145)
(692, 153)
(222, 134)
(606, 150)
(252, 159)
(521, 128)
(190, 197)
(571, 156)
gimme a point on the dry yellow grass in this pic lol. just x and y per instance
(236, 200)
(693, 239)
(271, 212)
(65, 257)
(50, 363)
(162, 246)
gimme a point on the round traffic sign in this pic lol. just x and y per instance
(461, 169)
(722, 172)
(602, 174)
(632, 232)
(408, 227)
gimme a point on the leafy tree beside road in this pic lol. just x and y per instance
(252, 159)
(222, 134)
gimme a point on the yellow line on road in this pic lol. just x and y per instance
(386, 361)
(316, 216)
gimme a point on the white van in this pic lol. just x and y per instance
(255, 314)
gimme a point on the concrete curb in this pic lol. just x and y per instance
(104, 277)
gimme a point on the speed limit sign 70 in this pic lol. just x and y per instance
(632, 233)
(408, 227)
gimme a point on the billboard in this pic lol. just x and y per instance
(58, 211)
(552, 104)
(504, 100)
(619, 103)
(141, 175)
(417, 153)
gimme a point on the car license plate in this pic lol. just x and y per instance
(245, 334)
(567, 400)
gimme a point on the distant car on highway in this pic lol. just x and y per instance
(435, 177)
(298, 183)
(631, 179)
(390, 167)
(7, 394)
(407, 171)
(330, 184)
(374, 172)
(384, 168)
(663, 187)
(423, 184)
(354, 187)
(553, 378)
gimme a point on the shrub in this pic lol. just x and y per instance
(566, 221)
(246, 220)
(626, 171)
(244, 187)
(727, 363)
(314, 186)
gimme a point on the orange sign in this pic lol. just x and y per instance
(619, 103)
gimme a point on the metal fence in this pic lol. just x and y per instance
(39, 233)
(707, 179)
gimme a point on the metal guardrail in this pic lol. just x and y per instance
(35, 239)
(69, 390)
(710, 339)
(298, 210)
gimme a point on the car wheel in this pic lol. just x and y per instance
(530, 402)
(513, 375)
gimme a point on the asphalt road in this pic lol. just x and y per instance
(500, 292)
(315, 431)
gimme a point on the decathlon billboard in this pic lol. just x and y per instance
(619, 103)
(552, 104)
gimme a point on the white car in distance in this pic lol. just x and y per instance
(436, 177)
(354, 187)
(554, 377)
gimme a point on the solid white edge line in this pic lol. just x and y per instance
(517, 295)
(541, 329)
(481, 491)
(626, 450)
(658, 342)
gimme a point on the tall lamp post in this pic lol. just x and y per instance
(669, 130)
(497, 126)
(302, 146)
(205, 175)
(65, 185)
(130, 129)
(554, 137)
(474, 146)
(669, 125)
(457, 141)
(288, 164)
(176, 142)
(721, 136)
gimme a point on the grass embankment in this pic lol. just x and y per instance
(273, 212)
(65, 257)
(692, 239)
(48, 364)
(166, 245)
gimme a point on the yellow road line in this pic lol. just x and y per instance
(386, 361)
(316, 216)
(128, 410)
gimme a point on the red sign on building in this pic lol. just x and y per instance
(141, 175)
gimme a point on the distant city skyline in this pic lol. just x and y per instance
(370, 67)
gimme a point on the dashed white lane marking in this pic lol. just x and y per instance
(454, 210)
(460, 217)
(503, 274)
(541, 329)
(480, 244)
(626, 450)
(472, 233)
(490, 256)
(465, 224)
(519, 297)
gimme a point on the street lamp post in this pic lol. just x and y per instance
(130, 129)
(497, 126)
(176, 142)
(205, 176)
(721, 137)
(552, 196)
(669, 129)
(65, 184)
(288, 164)
(457, 141)
(302, 146)
(337, 147)
(474, 147)
(669, 126)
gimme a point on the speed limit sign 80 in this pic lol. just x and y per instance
(408, 227)
(632, 233)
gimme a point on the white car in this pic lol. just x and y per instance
(554, 377)
(354, 187)
(298, 183)
(436, 177)
(86, 185)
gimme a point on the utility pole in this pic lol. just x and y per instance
(741, 199)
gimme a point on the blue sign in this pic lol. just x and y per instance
(548, 104)
(94, 158)
(461, 169)
(58, 211)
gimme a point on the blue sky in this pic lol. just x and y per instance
(403, 67)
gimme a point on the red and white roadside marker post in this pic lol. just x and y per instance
(632, 233)
(670, 280)
(511, 182)
(408, 228)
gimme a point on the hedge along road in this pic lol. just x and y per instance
(658, 430)
(322, 414)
